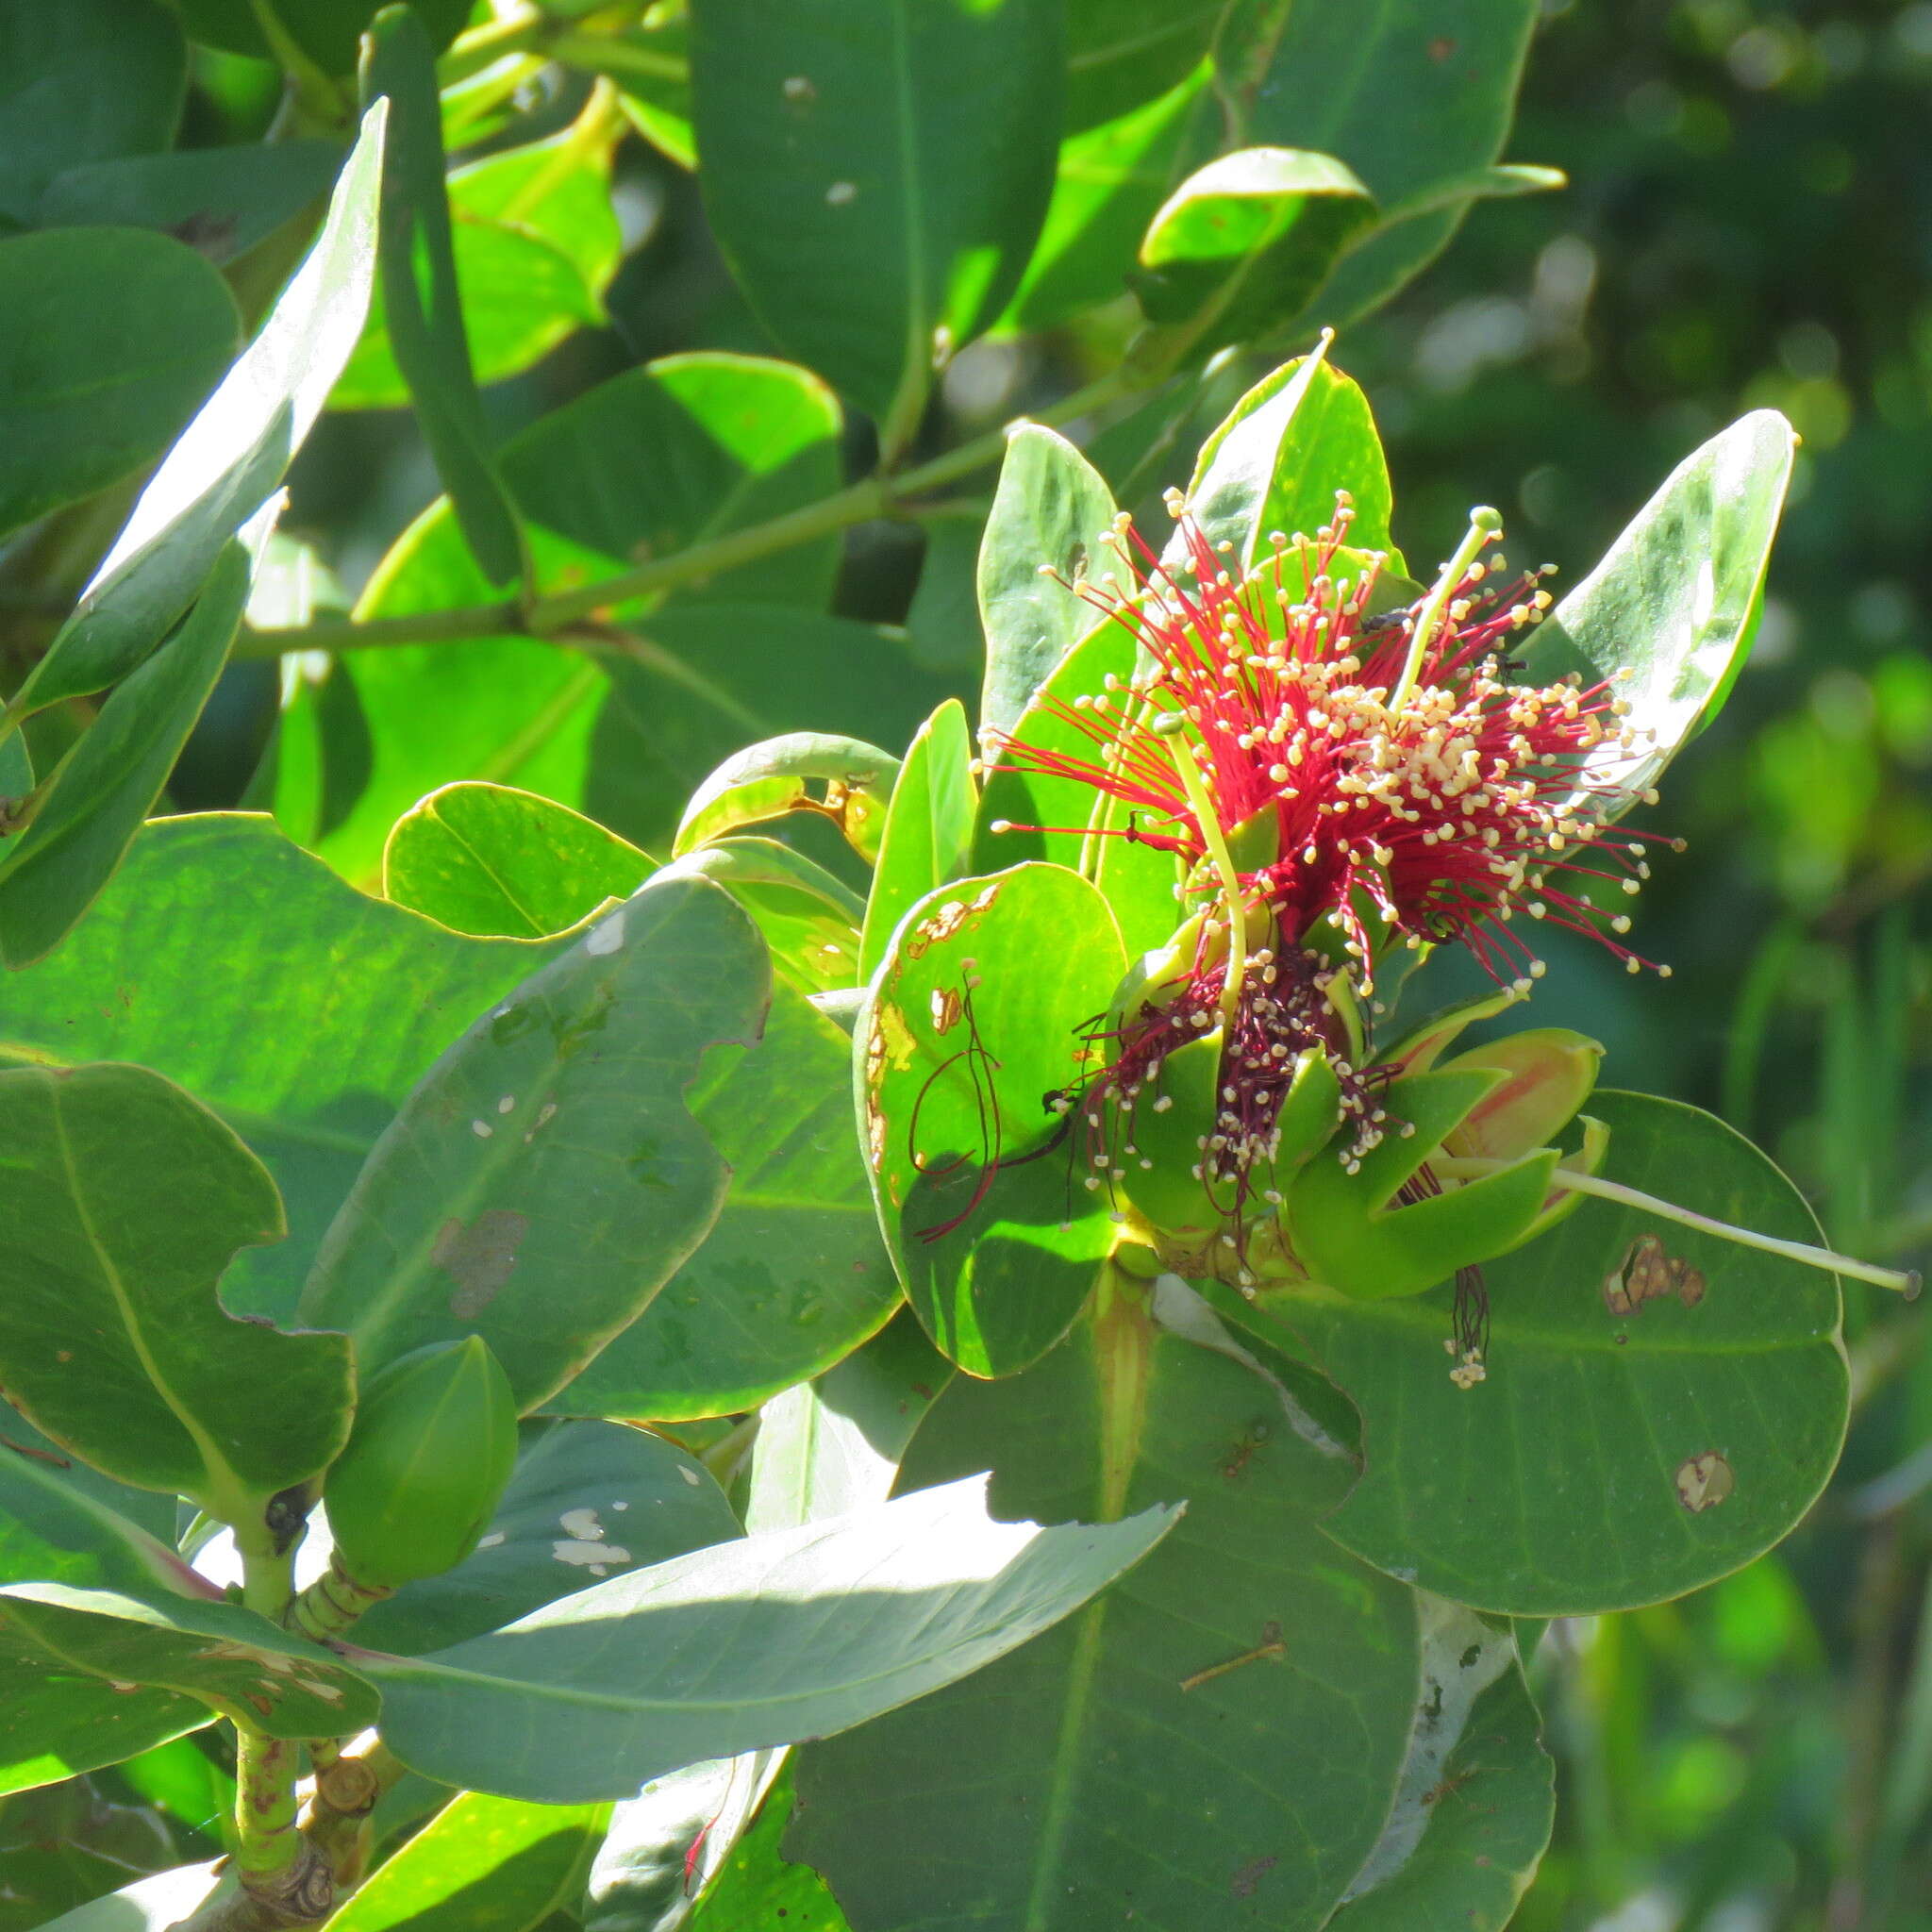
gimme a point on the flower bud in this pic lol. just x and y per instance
(434, 1441)
(1549, 1072)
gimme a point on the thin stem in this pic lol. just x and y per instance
(1195, 786)
(267, 1845)
(1905, 1281)
(873, 497)
(332, 1603)
(1483, 524)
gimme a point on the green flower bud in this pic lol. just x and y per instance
(433, 1445)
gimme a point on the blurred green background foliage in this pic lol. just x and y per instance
(1749, 223)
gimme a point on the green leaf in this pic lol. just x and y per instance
(1474, 1809)
(482, 1865)
(326, 30)
(1122, 53)
(1050, 529)
(792, 1275)
(1687, 1434)
(1274, 1776)
(702, 679)
(219, 1653)
(767, 780)
(149, 1904)
(876, 172)
(1244, 242)
(57, 109)
(652, 462)
(806, 1632)
(756, 1886)
(55, 1527)
(227, 462)
(422, 307)
(927, 834)
(808, 917)
(1276, 462)
(127, 1199)
(1135, 880)
(536, 243)
(100, 792)
(1338, 80)
(587, 1498)
(1675, 599)
(974, 1019)
(1110, 180)
(544, 1179)
(108, 339)
(651, 70)
(65, 1844)
(60, 1724)
(486, 859)
(222, 199)
(331, 1052)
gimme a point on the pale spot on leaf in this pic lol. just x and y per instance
(479, 1258)
(1704, 1481)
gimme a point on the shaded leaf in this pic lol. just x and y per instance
(108, 338)
(876, 172)
(551, 1147)
(326, 30)
(126, 1200)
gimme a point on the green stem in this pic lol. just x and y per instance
(1905, 1281)
(856, 504)
(267, 1845)
(332, 1604)
(1483, 524)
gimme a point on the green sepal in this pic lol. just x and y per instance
(1309, 1115)
(1348, 1234)
(1562, 1201)
(1419, 1050)
(433, 1446)
(1169, 1192)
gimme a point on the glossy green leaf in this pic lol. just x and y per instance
(876, 172)
(809, 919)
(1276, 462)
(482, 1865)
(654, 460)
(792, 1275)
(588, 1499)
(1135, 880)
(1674, 601)
(1110, 180)
(149, 1904)
(127, 1199)
(489, 860)
(766, 781)
(651, 70)
(228, 461)
(221, 1655)
(332, 1051)
(324, 30)
(544, 1179)
(100, 792)
(927, 834)
(535, 242)
(1671, 1441)
(60, 1724)
(1244, 242)
(421, 305)
(1052, 513)
(972, 1023)
(223, 200)
(1474, 1809)
(55, 112)
(756, 1884)
(805, 1631)
(1274, 1770)
(1338, 80)
(109, 337)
